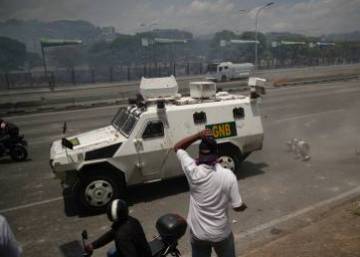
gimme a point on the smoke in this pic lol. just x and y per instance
(198, 16)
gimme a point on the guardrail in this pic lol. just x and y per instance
(312, 80)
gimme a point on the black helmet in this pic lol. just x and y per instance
(117, 210)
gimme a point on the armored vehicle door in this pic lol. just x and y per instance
(151, 149)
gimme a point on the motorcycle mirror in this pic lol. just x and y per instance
(84, 235)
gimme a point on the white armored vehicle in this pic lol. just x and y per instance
(137, 146)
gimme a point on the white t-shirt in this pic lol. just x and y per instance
(212, 189)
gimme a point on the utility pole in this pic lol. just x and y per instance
(256, 31)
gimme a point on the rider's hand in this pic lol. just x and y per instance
(88, 248)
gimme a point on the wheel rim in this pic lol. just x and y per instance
(98, 193)
(227, 162)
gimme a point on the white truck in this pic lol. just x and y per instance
(229, 71)
(137, 146)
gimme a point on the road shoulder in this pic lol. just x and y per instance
(334, 233)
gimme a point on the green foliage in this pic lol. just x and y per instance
(128, 49)
(236, 52)
(12, 54)
(32, 31)
(33, 59)
(66, 56)
(222, 35)
(128, 42)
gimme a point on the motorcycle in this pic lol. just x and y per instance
(171, 227)
(15, 146)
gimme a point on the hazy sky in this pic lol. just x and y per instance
(311, 17)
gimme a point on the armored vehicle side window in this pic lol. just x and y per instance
(199, 117)
(154, 129)
(220, 68)
(238, 113)
(226, 67)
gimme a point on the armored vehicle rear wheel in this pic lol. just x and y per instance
(94, 192)
(230, 159)
(223, 78)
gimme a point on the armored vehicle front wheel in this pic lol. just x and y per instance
(94, 192)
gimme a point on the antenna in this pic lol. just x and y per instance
(64, 128)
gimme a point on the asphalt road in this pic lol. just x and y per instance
(281, 191)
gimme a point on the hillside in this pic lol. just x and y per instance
(30, 32)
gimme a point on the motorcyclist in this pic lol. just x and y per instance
(126, 231)
(4, 136)
(7, 130)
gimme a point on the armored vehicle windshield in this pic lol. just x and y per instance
(124, 121)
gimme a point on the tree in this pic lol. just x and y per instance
(67, 56)
(33, 59)
(222, 53)
(248, 51)
(12, 54)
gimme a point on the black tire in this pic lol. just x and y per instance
(18, 153)
(95, 191)
(223, 78)
(230, 158)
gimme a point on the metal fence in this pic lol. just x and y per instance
(77, 76)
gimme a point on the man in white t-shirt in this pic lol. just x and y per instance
(212, 189)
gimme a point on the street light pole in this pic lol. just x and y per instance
(256, 31)
(147, 54)
(44, 62)
(45, 43)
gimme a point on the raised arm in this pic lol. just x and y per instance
(187, 141)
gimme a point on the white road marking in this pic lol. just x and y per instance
(297, 213)
(274, 222)
(25, 206)
(306, 116)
